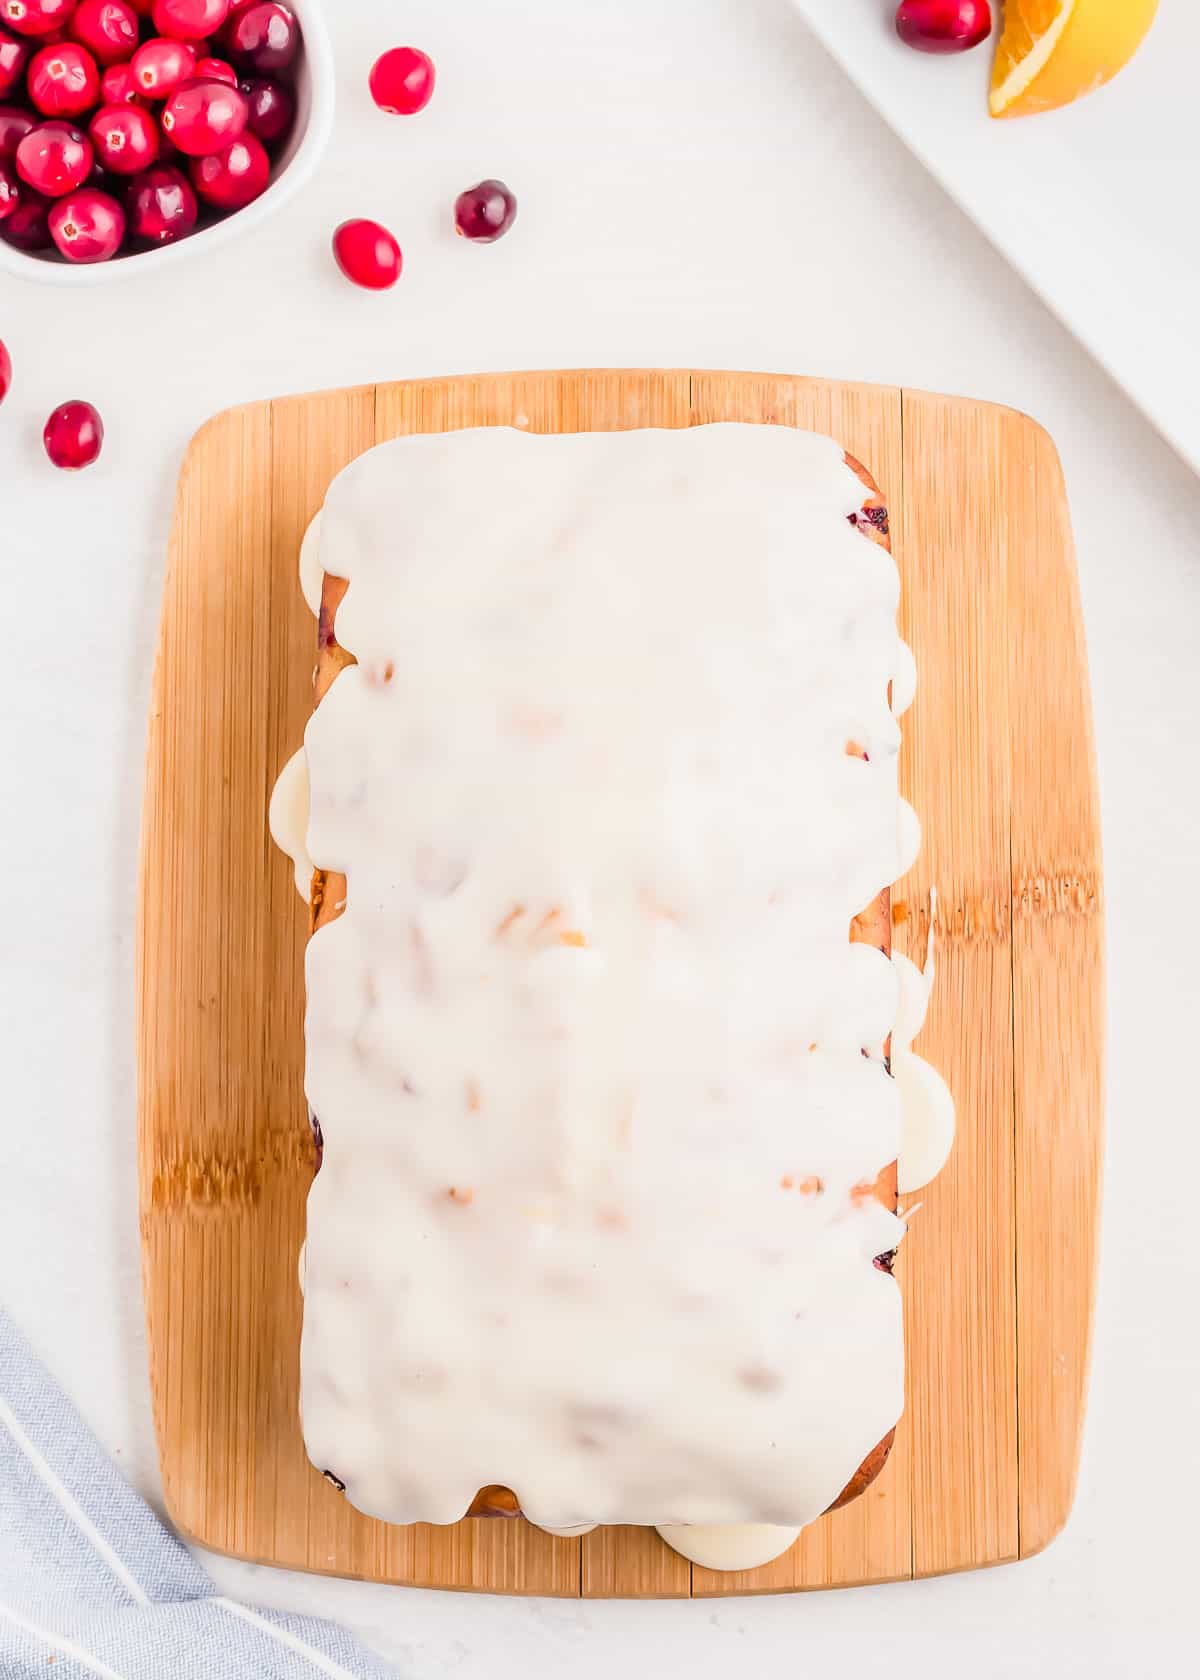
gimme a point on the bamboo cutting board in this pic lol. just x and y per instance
(997, 1272)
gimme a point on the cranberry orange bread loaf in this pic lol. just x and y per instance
(604, 740)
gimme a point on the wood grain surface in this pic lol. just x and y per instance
(998, 1270)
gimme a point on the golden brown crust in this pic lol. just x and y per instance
(873, 926)
(494, 1502)
(866, 1472)
(328, 893)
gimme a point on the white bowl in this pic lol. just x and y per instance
(293, 169)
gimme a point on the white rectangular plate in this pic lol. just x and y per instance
(1093, 204)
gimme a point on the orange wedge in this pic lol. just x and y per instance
(1054, 51)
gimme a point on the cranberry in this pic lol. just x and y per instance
(204, 117)
(74, 436)
(119, 86)
(63, 81)
(189, 20)
(234, 177)
(55, 158)
(215, 70)
(272, 108)
(402, 81)
(35, 17)
(28, 228)
(265, 37)
(367, 254)
(874, 516)
(126, 138)
(160, 66)
(485, 212)
(10, 191)
(143, 8)
(88, 226)
(14, 56)
(5, 370)
(14, 126)
(162, 206)
(236, 8)
(107, 28)
(943, 26)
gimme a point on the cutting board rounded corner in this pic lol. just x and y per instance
(998, 1271)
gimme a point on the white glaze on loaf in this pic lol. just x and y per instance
(587, 1045)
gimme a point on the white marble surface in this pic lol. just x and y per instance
(698, 185)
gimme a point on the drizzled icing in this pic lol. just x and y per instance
(927, 1134)
(312, 567)
(587, 1043)
(287, 818)
(904, 680)
(730, 1545)
(926, 1103)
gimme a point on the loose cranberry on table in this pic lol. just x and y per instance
(5, 370)
(28, 227)
(272, 108)
(235, 177)
(74, 435)
(943, 26)
(87, 226)
(485, 212)
(15, 124)
(401, 81)
(159, 66)
(162, 206)
(54, 158)
(125, 137)
(107, 28)
(63, 81)
(10, 191)
(204, 117)
(14, 56)
(367, 254)
(189, 20)
(35, 17)
(265, 37)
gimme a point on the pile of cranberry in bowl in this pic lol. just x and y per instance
(131, 125)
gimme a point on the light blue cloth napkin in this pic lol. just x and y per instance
(92, 1584)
